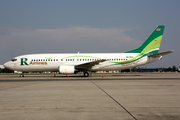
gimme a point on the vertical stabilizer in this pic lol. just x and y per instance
(152, 44)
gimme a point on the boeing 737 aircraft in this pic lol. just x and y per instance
(87, 62)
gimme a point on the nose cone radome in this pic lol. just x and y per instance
(7, 65)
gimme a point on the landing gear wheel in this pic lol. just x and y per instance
(86, 74)
(22, 75)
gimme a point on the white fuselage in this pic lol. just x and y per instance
(52, 62)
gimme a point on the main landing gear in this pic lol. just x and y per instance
(86, 74)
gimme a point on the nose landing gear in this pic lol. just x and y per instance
(21, 75)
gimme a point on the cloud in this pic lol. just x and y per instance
(83, 38)
(112, 37)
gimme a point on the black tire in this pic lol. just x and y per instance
(86, 74)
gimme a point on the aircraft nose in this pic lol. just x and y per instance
(7, 65)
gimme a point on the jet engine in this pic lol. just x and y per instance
(66, 69)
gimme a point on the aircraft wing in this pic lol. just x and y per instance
(89, 65)
(161, 54)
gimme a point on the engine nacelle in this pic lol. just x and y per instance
(66, 69)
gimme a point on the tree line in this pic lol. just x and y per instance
(138, 69)
(5, 70)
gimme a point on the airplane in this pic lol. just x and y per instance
(73, 63)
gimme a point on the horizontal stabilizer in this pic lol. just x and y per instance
(162, 54)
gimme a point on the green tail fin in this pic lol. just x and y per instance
(152, 44)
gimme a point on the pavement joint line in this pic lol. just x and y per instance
(114, 100)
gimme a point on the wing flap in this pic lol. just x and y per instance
(89, 65)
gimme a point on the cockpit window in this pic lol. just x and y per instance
(13, 59)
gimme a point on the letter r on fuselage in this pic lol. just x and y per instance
(24, 61)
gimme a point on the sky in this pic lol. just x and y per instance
(87, 26)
